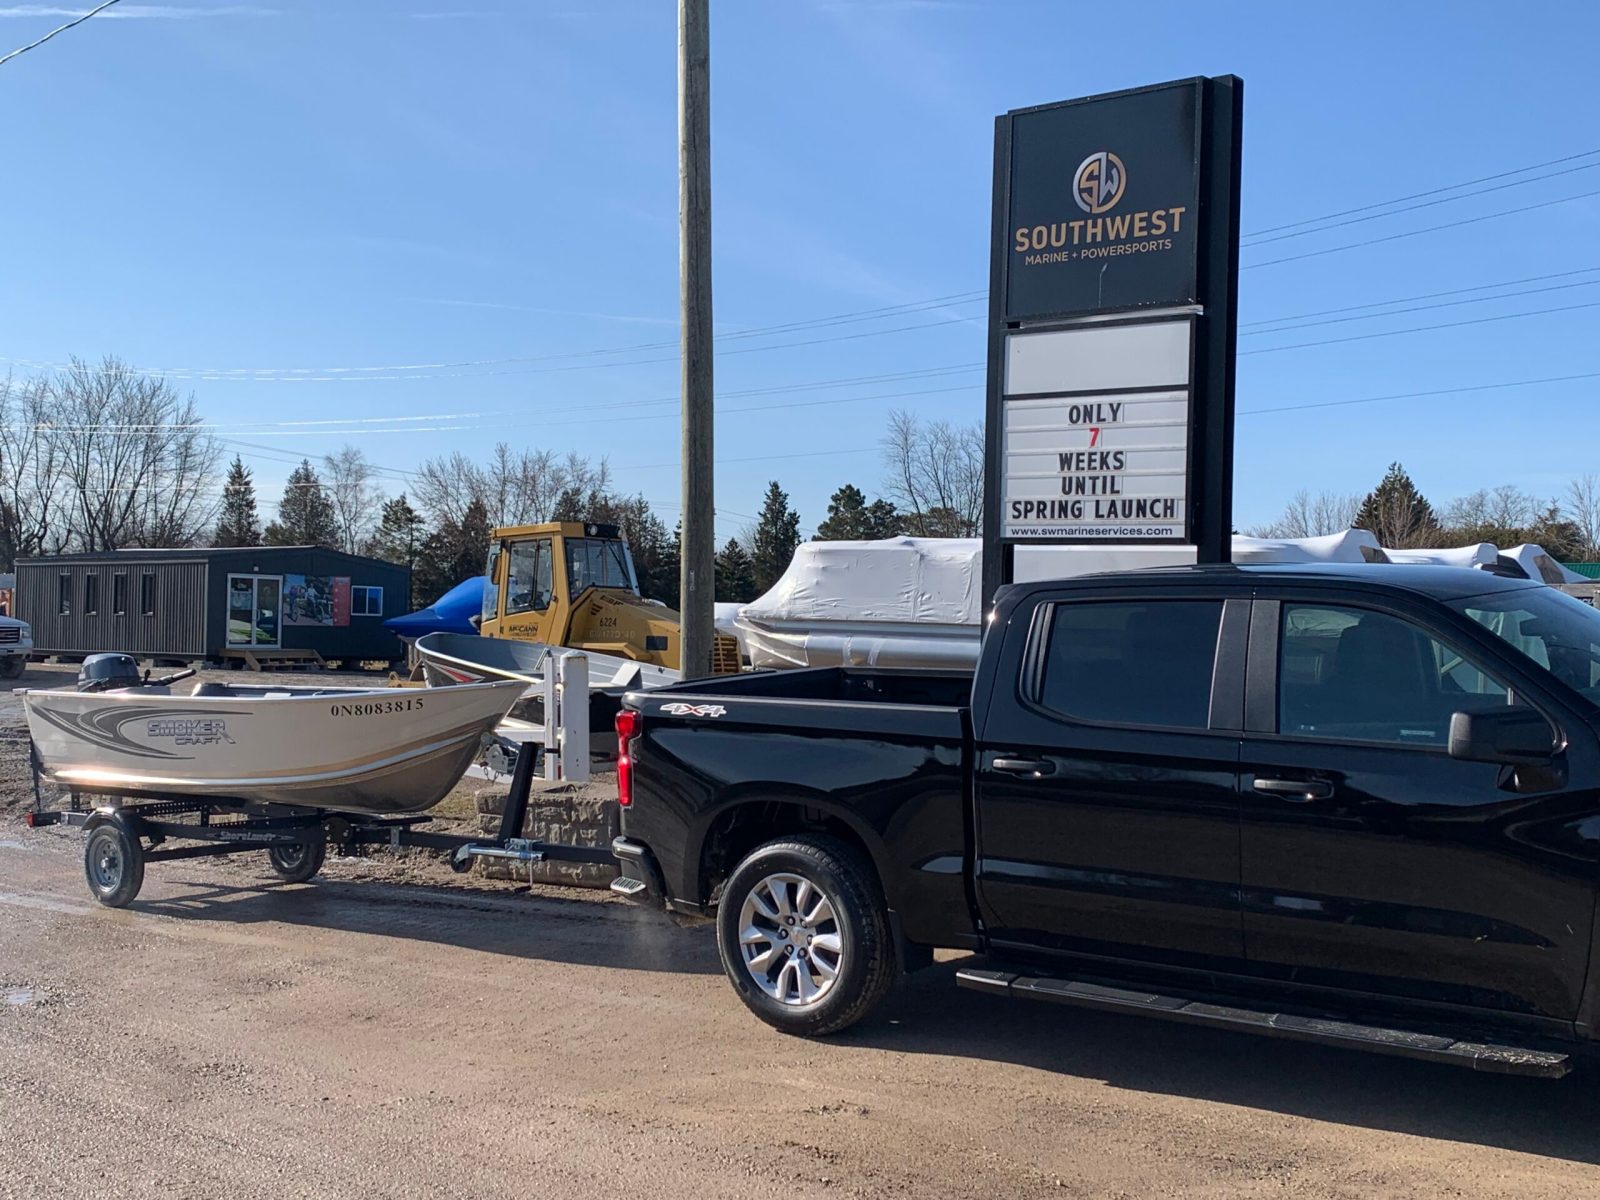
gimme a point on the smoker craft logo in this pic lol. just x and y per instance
(104, 727)
(1099, 181)
(680, 709)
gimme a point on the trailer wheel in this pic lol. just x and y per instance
(804, 935)
(113, 863)
(298, 863)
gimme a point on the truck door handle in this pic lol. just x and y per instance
(1295, 789)
(1024, 766)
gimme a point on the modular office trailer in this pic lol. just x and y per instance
(196, 604)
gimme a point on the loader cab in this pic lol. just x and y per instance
(537, 573)
(567, 583)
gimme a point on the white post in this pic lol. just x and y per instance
(550, 735)
(573, 730)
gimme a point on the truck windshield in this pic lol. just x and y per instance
(598, 562)
(1557, 631)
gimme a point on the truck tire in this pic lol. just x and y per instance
(804, 936)
(12, 666)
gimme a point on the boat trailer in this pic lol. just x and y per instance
(296, 841)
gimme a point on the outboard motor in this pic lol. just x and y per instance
(102, 672)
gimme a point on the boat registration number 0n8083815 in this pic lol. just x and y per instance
(375, 708)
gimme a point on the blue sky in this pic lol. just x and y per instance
(290, 186)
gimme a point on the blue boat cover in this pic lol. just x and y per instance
(448, 614)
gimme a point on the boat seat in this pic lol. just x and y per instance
(207, 688)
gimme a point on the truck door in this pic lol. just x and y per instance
(1106, 781)
(1372, 860)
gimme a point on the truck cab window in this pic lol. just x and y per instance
(530, 578)
(1143, 663)
(1356, 674)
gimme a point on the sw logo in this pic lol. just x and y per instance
(1099, 182)
(679, 709)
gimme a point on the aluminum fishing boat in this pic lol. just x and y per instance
(452, 658)
(353, 750)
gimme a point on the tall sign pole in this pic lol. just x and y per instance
(698, 548)
(1112, 284)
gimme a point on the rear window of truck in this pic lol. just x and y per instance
(1133, 662)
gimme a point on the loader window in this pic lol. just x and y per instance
(598, 562)
(530, 579)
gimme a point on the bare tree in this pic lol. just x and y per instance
(1582, 508)
(514, 487)
(32, 474)
(357, 504)
(935, 475)
(1312, 516)
(138, 467)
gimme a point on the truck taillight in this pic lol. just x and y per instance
(628, 725)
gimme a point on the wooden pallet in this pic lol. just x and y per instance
(259, 658)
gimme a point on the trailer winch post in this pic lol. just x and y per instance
(566, 717)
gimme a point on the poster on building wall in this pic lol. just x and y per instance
(341, 600)
(307, 600)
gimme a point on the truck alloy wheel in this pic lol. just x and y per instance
(803, 932)
(789, 939)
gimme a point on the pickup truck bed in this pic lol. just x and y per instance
(878, 755)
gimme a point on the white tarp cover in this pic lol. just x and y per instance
(1350, 546)
(1479, 554)
(936, 581)
(896, 602)
(1541, 565)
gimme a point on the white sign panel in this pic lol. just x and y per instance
(1105, 458)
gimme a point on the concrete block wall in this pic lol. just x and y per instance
(573, 814)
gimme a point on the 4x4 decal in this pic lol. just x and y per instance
(679, 709)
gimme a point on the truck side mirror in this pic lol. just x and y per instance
(1513, 736)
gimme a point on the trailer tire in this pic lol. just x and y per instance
(300, 862)
(830, 955)
(113, 864)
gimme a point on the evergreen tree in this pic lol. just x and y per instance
(777, 534)
(850, 517)
(457, 550)
(238, 524)
(305, 514)
(400, 537)
(736, 574)
(1397, 514)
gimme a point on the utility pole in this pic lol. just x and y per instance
(698, 551)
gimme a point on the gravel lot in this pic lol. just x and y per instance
(393, 1030)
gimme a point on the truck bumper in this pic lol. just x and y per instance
(638, 876)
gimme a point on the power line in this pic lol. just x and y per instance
(1361, 337)
(1554, 162)
(1482, 287)
(1393, 237)
(1395, 212)
(329, 374)
(1558, 287)
(1451, 391)
(58, 29)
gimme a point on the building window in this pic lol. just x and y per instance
(147, 594)
(366, 602)
(91, 594)
(64, 595)
(119, 594)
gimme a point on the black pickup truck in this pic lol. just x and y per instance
(1353, 804)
